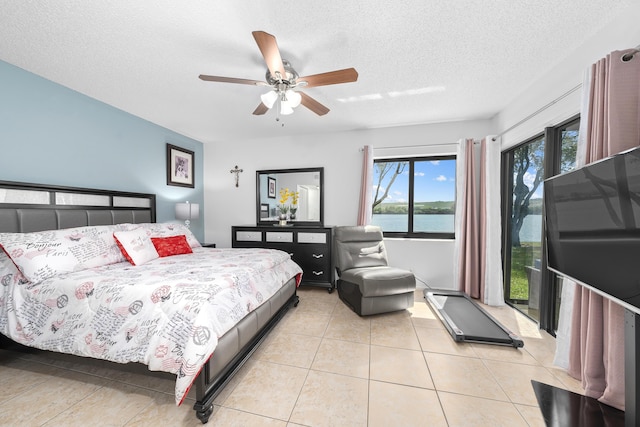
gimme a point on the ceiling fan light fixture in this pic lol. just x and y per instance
(285, 108)
(293, 97)
(269, 98)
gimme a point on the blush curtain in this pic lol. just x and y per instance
(365, 205)
(610, 124)
(467, 233)
(478, 269)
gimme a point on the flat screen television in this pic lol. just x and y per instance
(592, 219)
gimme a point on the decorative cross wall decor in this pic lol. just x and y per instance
(237, 172)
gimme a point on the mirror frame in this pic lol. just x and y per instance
(319, 170)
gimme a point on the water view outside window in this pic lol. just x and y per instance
(526, 225)
(391, 195)
(415, 196)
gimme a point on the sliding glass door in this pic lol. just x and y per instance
(525, 226)
(528, 285)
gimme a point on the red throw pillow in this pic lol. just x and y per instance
(173, 245)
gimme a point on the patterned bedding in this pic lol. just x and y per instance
(167, 313)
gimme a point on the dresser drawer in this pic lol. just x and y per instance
(312, 237)
(315, 260)
(249, 236)
(318, 260)
(313, 253)
(279, 236)
(315, 275)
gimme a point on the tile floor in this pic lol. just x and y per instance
(322, 366)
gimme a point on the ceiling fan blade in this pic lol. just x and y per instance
(260, 110)
(270, 52)
(313, 105)
(231, 80)
(331, 78)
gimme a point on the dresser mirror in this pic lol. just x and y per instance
(306, 208)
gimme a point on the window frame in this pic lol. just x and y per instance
(410, 234)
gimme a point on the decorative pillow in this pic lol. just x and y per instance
(136, 246)
(44, 254)
(174, 245)
(168, 229)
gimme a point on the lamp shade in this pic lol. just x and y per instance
(293, 97)
(285, 108)
(269, 98)
(187, 211)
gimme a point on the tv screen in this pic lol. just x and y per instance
(592, 219)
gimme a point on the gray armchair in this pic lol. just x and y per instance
(366, 283)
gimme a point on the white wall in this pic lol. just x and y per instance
(340, 155)
(621, 33)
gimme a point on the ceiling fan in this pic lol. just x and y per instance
(284, 81)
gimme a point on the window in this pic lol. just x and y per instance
(415, 197)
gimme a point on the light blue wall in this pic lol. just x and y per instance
(50, 134)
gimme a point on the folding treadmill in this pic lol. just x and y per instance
(466, 321)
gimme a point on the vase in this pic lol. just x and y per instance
(283, 219)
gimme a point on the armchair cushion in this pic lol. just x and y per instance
(359, 246)
(360, 255)
(380, 281)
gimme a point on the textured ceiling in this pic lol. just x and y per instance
(419, 61)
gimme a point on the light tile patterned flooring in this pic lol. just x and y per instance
(322, 366)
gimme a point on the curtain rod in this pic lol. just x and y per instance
(475, 141)
(538, 111)
(416, 146)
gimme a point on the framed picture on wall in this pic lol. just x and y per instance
(180, 167)
(272, 188)
(264, 210)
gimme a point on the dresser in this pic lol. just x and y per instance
(310, 248)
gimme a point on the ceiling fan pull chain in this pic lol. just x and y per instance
(278, 104)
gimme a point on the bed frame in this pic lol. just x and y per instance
(28, 207)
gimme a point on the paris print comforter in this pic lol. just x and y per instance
(167, 313)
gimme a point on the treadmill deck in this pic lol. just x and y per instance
(466, 321)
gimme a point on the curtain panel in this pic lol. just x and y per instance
(365, 204)
(590, 341)
(467, 236)
(478, 267)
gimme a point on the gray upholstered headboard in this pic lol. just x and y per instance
(28, 207)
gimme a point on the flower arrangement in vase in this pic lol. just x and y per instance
(294, 204)
(283, 207)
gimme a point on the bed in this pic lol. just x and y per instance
(90, 273)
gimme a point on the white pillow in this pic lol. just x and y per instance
(44, 254)
(136, 246)
(169, 229)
